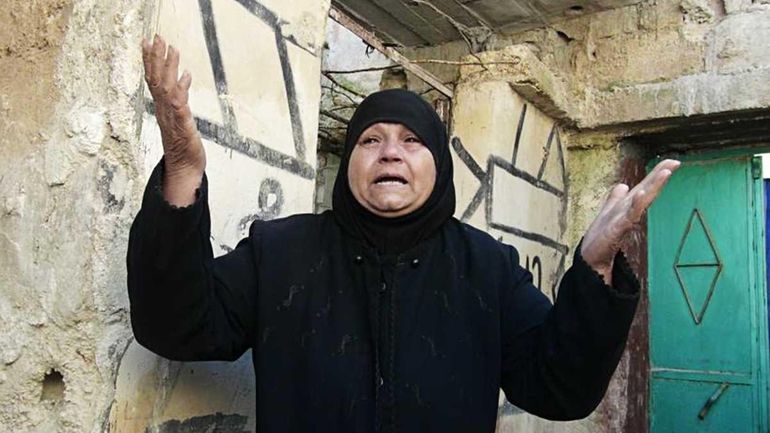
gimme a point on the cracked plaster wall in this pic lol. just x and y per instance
(68, 174)
(77, 141)
(255, 95)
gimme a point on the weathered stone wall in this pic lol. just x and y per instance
(68, 77)
(77, 140)
(657, 59)
(255, 96)
(508, 155)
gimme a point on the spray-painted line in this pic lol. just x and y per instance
(273, 21)
(227, 138)
(217, 67)
(485, 192)
(519, 130)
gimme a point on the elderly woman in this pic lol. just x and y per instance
(386, 313)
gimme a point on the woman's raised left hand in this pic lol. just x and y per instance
(622, 211)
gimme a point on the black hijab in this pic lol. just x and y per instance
(395, 235)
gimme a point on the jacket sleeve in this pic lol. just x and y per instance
(557, 361)
(185, 305)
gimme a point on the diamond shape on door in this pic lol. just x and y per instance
(697, 265)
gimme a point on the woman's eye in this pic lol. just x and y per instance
(412, 140)
(368, 140)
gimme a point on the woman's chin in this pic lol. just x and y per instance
(389, 209)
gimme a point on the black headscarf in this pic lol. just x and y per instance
(394, 235)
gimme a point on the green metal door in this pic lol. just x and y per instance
(708, 329)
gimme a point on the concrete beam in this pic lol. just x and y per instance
(525, 73)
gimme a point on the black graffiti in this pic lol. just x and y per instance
(226, 248)
(535, 237)
(519, 129)
(536, 264)
(271, 19)
(254, 149)
(486, 178)
(484, 193)
(536, 268)
(217, 67)
(227, 134)
(468, 160)
(247, 146)
(216, 423)
(270, 199)
(270, 203)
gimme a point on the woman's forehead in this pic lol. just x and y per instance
(387, 127)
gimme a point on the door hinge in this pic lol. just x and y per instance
(756, 167)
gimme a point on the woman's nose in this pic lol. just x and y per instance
(390, 150)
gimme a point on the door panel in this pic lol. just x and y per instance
(680, 405)
(703, 291)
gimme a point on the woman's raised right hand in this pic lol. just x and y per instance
(185, 158)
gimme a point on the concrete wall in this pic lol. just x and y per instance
(69, 73)
(654, 60)
(508, 156)
(78, 141)
(255, 95)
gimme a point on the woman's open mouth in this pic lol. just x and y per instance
(390, 179)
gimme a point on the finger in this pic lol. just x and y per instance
(146, 47)
(667, 164)
(182, 91)
(157, 57)
(616, 194)
(185, 81)
(657, 185)
(642, 199)
(636, 211)
(171, 70)
(646, 184)
(670, 164)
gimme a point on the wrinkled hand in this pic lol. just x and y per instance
(621, 212)
(185, 158)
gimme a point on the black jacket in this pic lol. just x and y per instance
(345, 341)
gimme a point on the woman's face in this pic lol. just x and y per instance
(391, 172)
